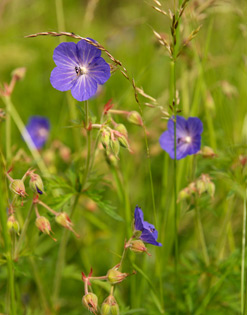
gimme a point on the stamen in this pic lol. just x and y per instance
(187, 139)
(81, 70)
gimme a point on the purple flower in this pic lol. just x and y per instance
(79, 69)
(38, 128)
(188, 136)
(149, 233)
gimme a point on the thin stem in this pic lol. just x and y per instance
(243, 298)
(26, 136)
(8, 130)
(61, 256)
(23, 233)
(201, 236)
(7, 245)
(86, 172)
(39, 283)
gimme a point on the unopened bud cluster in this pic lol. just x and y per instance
(17, 186)
(201, 185)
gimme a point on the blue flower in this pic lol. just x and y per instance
(38, 128)
(188, 137)
(79, 69)
(149, 233)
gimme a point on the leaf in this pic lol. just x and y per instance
(104, 205)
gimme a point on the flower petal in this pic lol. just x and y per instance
(195, 126)
(63, 79)
(84, 88)
(150, 227)
(99, 70)
(195, 145)
(167, 142)
(138, 219)
(183, 149)
(87, 52)
(148, 238)
(38, 128)
(181, 126)
(65, 55)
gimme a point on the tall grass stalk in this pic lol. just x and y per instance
(20, 125)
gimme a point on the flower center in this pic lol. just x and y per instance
(42, 132)
(81, 70)
(186, 139)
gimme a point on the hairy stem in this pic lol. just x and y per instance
(23, 233)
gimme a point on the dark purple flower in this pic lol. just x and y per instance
(188, 136)
(79, 69)
(38, 128)
(149, 233)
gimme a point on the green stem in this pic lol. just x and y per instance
(86, 172)
(173, 97)
(60, 17)
(61, 257)
(201, 236)
(23, 233)
(7, 245)
(20, 125)
(243, 298)
(8, 129)
(40, 286)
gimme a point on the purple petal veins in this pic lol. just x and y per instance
(80, 68)
(188, 137)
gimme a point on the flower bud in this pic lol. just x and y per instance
(122, 129)
(207, 152)
(36, 184)
(137, 246)
(19, 73)
(18, 187)
(110, 306)
(90, 301)
(115, 276)
(105, 138)
(115, 146)
(111, 159)
(123, 142)
(12, 224)
(135, 118)
(211, 189)
(184, 194)
(43, 225)
(63, 219)
(201, 186)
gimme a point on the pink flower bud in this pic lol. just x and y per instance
(12, 224)
(43, 225)
(63, 219)
(137, 246)
(90, 301)
(135, 118)
(110, 306)
(115, 276)
(36, 183)
(18, 187)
